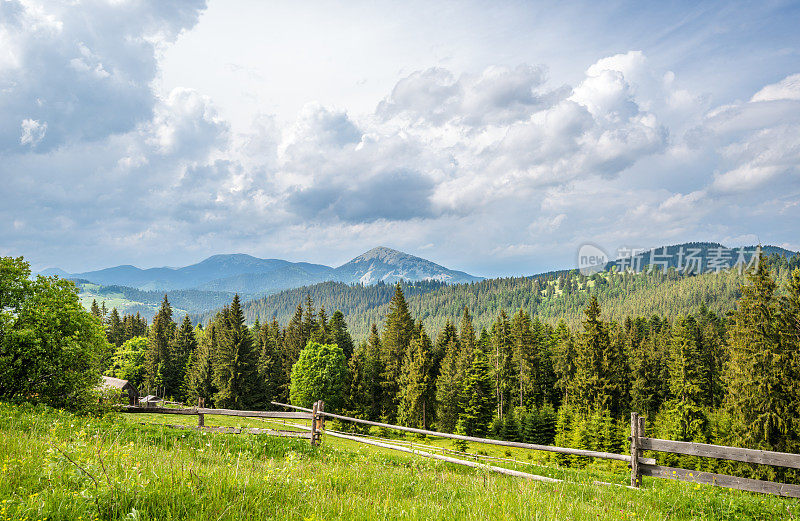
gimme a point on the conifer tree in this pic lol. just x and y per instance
(397, 333)
(564, 360)
(183, 345)
(590, 380)
(270, 366)
(526, 359)
(686, 378)
(199, 381)
(478, 397)
(338, 334)
(294, 340)
(446, 335)
(762, 387)
(157, 359)
(96, 309)
(236, 368)
(416, 407)
(505, 374)
(115, 331)
(449, 385)
(466, 335)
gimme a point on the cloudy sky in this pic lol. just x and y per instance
(492, 137)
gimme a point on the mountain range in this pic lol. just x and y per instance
(274, 286)
(248, 275)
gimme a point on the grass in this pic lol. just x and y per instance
(56, 465)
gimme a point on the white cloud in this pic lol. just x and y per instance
(786, 89)
(496, 160)
(32, 132)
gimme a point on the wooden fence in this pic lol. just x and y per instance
(314, 436)
(640, 468)
(639, 465)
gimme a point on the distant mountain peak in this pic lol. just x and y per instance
(383, 254)
(383, 264)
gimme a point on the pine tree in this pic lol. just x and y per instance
(526, 359)
(236, 368)
(505, 374)
(270, 366)
(686, 378)
(478, 397)
(447, 335)
(416, 408)
(294, 340)
(590, 380)
(397, 333)
(157, 359)
(564, 360)
(449, 385)
(762, 388)
(466, 335)
(115, 331)
(199, 381)
(183, 346)
(96, 309)
(338, 334)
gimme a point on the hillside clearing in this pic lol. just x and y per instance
(55, 465)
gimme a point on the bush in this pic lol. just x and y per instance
(50, 347)
(319, 374)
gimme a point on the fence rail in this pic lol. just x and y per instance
(201, 412)
(639, 465)
(473, 439)
(705, 450)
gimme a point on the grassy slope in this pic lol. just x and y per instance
(152, 472)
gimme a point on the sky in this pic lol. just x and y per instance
(490, 137)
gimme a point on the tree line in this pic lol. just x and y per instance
(731, 378)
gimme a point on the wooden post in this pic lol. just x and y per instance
(314, 417)
(321, 424)
(636, 474)
(201, 418)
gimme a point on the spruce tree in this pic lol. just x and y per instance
(115, 331)
(564, 360)
(338, 334)
(446, 335)
(686, 379)
(449, 386)
(270, 366)
(158, 357)
(762, 387)
(183, 345)
(416, 407)
(397, 333)
(478, 397)
(199, 380)
(505, 374)
(236, 368)
(526, 359)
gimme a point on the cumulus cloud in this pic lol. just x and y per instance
(32, 132)
(498, 160)
(786, 89)
(86, 69)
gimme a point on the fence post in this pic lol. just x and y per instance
(314, 417)
(201, 418)
(636, 475)
(321, 426)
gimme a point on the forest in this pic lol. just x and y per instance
(551, 297)
(726, 378)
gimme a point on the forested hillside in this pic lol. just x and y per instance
(550, 297)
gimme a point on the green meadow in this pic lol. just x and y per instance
(57, 465)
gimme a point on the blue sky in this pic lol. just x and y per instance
(492, 137)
